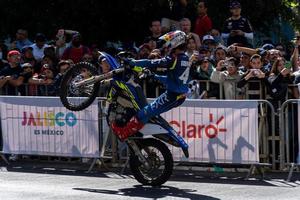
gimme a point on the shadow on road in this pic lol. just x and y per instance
(271, 179)
(152, 192)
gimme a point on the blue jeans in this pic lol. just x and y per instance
(163, 103)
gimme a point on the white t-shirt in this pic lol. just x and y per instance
(37, 52)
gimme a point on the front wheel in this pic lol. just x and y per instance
(75, 97)
(160, 162)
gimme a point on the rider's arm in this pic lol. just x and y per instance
(162, 79)
(166, 62)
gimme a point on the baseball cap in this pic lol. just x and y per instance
(262, 52)
(220, 46)
(268, 46)
(203, 48)
(63, 62)
(208, 38)
(13, 52)
(76, 35)
(234, 4)
(26, 65)
(203, 59)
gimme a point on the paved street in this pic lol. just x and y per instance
(45, 183)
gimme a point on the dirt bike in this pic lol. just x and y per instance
(150, 160)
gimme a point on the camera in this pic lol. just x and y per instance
(255, 72)
(41, 76)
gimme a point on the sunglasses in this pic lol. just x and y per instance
(15, 56)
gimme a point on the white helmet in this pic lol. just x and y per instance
(173, 39)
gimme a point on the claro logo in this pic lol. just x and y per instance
(196, 130)
(49, 119)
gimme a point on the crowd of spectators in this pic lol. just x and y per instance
(223, 57)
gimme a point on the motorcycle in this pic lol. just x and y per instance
(151, 161)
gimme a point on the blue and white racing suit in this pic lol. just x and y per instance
(176, 80)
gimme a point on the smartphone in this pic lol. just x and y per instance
(288, 64)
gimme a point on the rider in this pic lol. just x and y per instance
(176, 79)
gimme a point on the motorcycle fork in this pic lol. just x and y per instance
(134, 147)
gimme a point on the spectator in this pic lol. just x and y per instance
(3, 50)
(204, 51)
(174, 10)
(279, 80)
(295, 58)
(47, 60)
(61, 41)
(107, 63)
(255, 73)
(237, 29)
(152, 42)
(3, 53)
(263, 52)
(76, 51)
(191, 47)
(21, 40)
(46, 80)
(244, 62)
(155, 29)
(228, 78)
(202, 70)
(209, 41)
(27, 74)
(50, 51)
(27, 56)
(87, 58)
(295, 61)
(39, 46)
(62, 67)
(144, 51)
(217, 36)
(219, 54)
(185, 26)
(10, 75)
(282, 50)
(95, 55)
(203, 23)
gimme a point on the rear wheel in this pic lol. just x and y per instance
(160, 162)
(74, 97)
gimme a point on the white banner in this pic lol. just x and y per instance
(42, 126)
(217, 131)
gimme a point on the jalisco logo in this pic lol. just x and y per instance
(196, 130)
(49, 119)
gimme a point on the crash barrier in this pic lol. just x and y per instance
(290, 131)
(42, 126)
(217, 131)
(233, 132)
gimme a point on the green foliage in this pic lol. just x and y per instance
(100, 21)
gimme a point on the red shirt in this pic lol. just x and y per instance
(203, 25)
(75, 54)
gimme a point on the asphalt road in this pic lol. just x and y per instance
(50, 183)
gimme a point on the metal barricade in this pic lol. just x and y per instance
(266, 135)
(289, 133)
